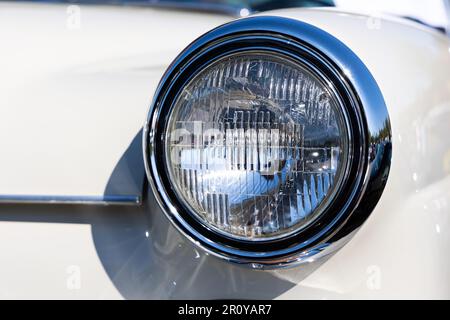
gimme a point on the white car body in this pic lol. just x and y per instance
(74, 96)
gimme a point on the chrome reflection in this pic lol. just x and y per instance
(257, 145)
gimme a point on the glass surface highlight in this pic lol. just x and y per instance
(256, 146)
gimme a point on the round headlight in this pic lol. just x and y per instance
(267, 142)
(256, 145)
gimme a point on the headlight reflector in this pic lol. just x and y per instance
(257, 145)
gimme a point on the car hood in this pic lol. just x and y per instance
(76, 83)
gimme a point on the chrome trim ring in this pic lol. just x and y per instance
(369, 126)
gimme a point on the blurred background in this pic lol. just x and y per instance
(434, 13)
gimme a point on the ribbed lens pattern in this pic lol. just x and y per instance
(255, 145)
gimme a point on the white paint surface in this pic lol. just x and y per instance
(71, 101)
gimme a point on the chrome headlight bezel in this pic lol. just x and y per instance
(366, 113)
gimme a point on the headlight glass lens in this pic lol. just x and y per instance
(256, 145)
